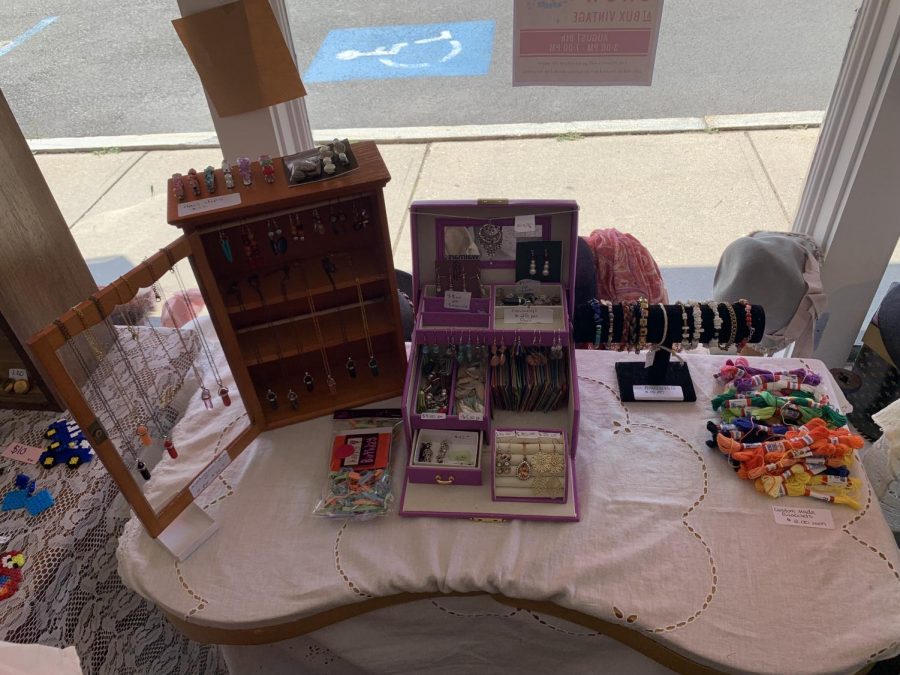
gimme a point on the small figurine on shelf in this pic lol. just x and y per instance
(226, 173)
(268, 168)
(245, 170)
(67, 446)
(193, 183)
(178, 186)
(209, 175)
(341, 151)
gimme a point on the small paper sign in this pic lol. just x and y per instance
(22, 453)
(433, 416)
(208, 204)
(4, 539)
(471, 416)
(457, 300)
(528, 287)
(529, 314)
(208, 475)
(803, 517)
(528, 434)
(658, 392)
(18, 374)
(524, 225)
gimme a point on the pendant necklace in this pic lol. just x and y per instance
(490, 237)
(373, 362)
(205, 396)
(253, 282)
(350, 364)
(329, 379)
(308, 380)
(98, 392)
(292, 397)
(142, 430)
(223, 390)
(135, 336)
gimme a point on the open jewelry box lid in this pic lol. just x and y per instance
(442, 228)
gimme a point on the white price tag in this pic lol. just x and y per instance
(208, 475)
(18, 374)
(471, 416)
(803, 517)
(208, 204)
(658, 392)
(433, 416)
(524, 226)
(457, 300)
(4, 539)
(528, 314)
(528, 287)
(528, 434)
(26, 454)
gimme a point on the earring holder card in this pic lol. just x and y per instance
(545, 253)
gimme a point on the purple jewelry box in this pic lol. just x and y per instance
(440, 228)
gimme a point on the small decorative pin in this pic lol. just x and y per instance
(244, 168)
(227, 175)
(209, 175)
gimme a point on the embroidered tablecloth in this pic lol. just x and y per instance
(670, 544)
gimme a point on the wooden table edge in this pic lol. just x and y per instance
(284, 631)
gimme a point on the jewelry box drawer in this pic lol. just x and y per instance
(434, 312)
(459, 465)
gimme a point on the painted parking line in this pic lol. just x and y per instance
(27, 35)
(416, 50)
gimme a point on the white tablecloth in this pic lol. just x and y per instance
(670, 544)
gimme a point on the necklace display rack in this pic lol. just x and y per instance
(500, 360)
(300, 287)
(641, 326)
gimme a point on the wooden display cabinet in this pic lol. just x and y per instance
(266, 303)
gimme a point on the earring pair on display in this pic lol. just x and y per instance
(532, 268)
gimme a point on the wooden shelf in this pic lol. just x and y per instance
(365, 268)
(260, 346)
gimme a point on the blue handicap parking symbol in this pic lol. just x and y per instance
(421, 50)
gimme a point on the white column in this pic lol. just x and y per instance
(278, 130)
(851, 201)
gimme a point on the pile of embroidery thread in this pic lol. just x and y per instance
(779, 430)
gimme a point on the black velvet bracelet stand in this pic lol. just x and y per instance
(662, 371)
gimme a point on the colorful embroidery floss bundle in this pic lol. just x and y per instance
(779, 431)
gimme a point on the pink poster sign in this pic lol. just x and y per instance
(585, 42)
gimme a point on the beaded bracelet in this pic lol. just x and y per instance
(635, 326)
(685, 327)
(748, 320)
(626, 325)
(643, 324)
(732, 318)
(698, 325)
(717, 322)
(609, 311)
(598, 321)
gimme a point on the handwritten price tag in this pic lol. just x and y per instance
(22, 453)
(208, 204)
(803, 517)
(18, 374)
(457, 300)
(529, 314)
(213, 469)
(524, 226)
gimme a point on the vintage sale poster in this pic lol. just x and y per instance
(585, 42)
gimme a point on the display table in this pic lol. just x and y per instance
(673, 556)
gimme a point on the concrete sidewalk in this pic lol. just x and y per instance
(684, 195)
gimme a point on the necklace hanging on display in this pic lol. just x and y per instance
(490, 236)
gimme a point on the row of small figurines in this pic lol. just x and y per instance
(244, 166)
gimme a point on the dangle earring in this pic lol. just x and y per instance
(546, 271)
(318, 226)
(502, 350)
(226, 246)
(309, 381)
(296, 227)
(272, 398)
(293, 399)
(532, 268)
(437, 284)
